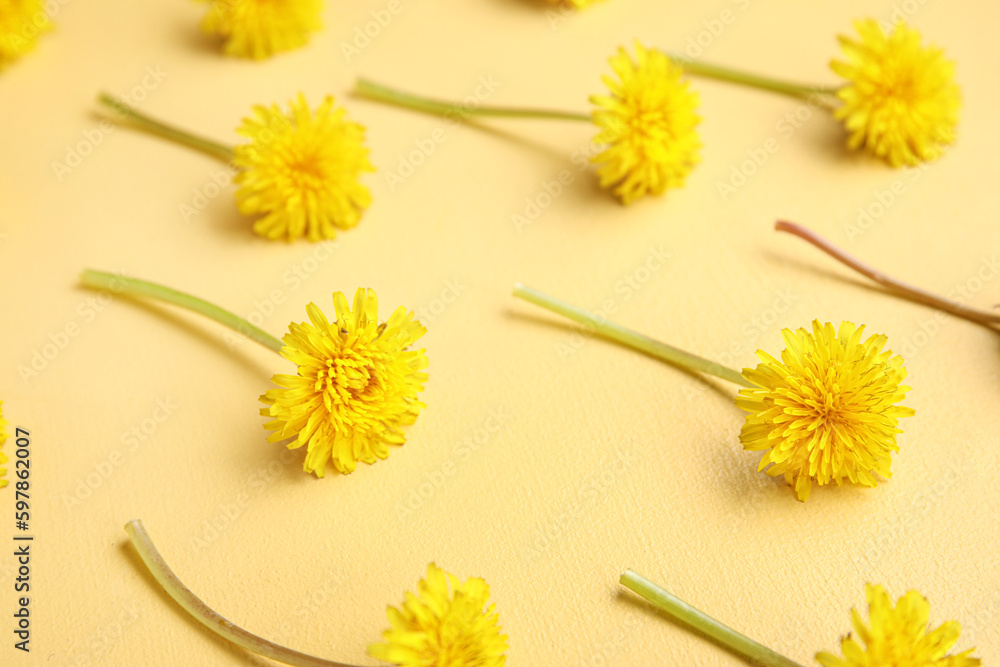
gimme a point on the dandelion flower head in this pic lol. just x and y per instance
(899, 636)
(259, 29)
(900, 101)
(447, 624)
(648, 123)
(356, 386)
(21, 22)
(827, 410)
(301, 171)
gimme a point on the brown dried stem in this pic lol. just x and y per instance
(893, 285)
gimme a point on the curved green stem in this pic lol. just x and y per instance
(144, 122)
(702, 622)
(121, 284)
(202, 613)
(631, 338)
(399, 98)
(755, 80)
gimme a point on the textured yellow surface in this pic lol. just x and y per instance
(546, 462)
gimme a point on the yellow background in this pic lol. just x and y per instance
(603, 459)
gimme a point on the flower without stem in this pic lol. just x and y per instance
(899, 635)
(259, 29)
(447, 624)
(21, 23)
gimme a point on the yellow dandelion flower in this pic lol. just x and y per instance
(901, 101)
(447, 624)
(357, 384)
(648, 122)
(3, 439)
(21, 23)
(301, 171)
(826, 412)
(261, 28)
(899, 636)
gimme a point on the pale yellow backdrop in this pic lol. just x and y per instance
(545, 462)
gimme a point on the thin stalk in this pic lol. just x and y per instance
(703, 623)
(631, 338)
(399, 98)
(202, 613)
(899, 287)
(799, 90)
(153, 126)
(121, 284)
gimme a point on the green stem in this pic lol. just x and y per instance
(202, 613)
(685, 613)
(439, 107)
(121, 284)
(764, 82)
(628, 337)
(144, 122)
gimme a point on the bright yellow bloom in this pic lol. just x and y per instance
(898, 636)
(446, 625)
(648, 122)
(901, 101)
(21, 22)
(261, 28)
(357, 384)
(302, 171)
(827, 411)
(3, 439)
